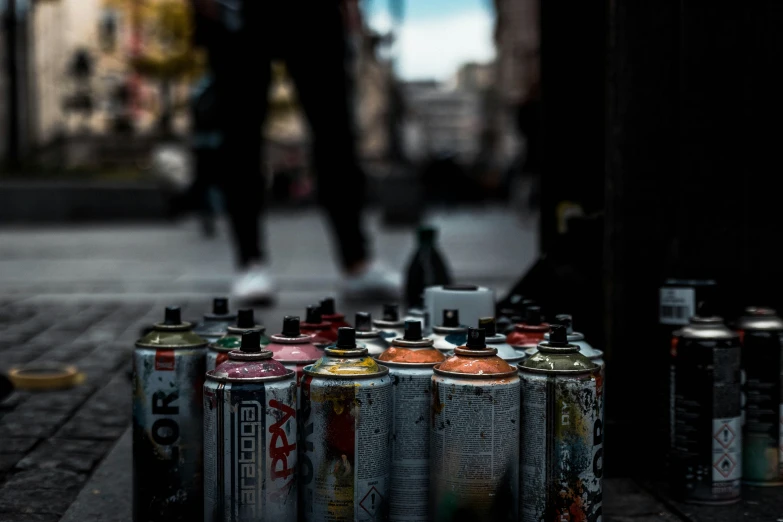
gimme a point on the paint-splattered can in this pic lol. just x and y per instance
(218, 351)
(421, 315)
(346, 418)
(330, 314)
(530, 333)
(293, 348)
(410, 360)
(577, 338)
(706, 457)
(562, 433)
(216, 323)
(450, 333)
(498, 342)
(250, 444)
(368, 336)
(390, 325)
(474, 435)
(168, 376)
(319, 330)
(761, 333)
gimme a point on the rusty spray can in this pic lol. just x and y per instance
(293, 348)
(368, 336)
(577, 338)
(761, 334)
(346, 418)
(529, 333)
(330, 314)
(498, 341)
(216, 323)
(232, 340)
(450, 333)
(168, 376)
(474, 435)
(562, 433)
(410, 360)
(320, 330)
(390, 325)
(250, 445)
(706, 458)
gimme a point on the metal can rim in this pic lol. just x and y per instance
(302, 339)
(210, 376)
(474, 376)
(383, 370)
(401, 342)
(181, 327)
(172, 346)
(450, 329)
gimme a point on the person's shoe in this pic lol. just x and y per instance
(254, 285)
(375, 282)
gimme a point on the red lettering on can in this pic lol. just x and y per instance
(279, 448)
(164, 360)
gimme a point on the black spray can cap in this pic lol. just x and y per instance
(558, 336)
(291, 326)
(412, 330)
(313, 315)
(220, 306)
(451, 318)
(363, 321)
(251, 341)
(488, 324)
(476, 339)
(173, 315)
(533, 315)
(391, 312)
(346, 338)
(327, 306)
(246, 318)
(566, 320)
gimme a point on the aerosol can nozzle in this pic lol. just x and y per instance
(476, 339)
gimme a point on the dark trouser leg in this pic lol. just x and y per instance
(319, 70)
(241, 85)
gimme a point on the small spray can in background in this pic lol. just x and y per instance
(474, 435)
(218, 351)
(368, 336)
(250, 446)
(292, 348)
(498, 341)
(215, 323)
(449, 334)
(330, 314)
(390, 325)
(346, 418)
(168, 375)
(530, 333)
(562, 433)
(410, 360)
(314, 326)
(761, 334)
(706, 457)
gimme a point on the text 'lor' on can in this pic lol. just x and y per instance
(216, 323)
(319, 330)
(474, 435)
(293, 348)
(449, 334)
(761, 334)
(706, 458)
(390, 324)
(410, 360)
(577, 338)
(218, 351)
(498, 342)
(529, 333)
(346, 418)
(368, 336)
(330, 314)
(562, 433)
(250, 445)
(168, 376)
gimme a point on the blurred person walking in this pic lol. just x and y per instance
(242, 38)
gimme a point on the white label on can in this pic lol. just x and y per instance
(410, 444)
(677, 305)
(726, 450)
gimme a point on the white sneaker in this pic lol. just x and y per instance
(255, 284)
(376, 282)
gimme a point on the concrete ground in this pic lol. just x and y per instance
(81, 295)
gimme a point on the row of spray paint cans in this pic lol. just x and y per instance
(725, 395)
(323, 422)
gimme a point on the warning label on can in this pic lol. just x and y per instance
(726, 449)
(677, 305)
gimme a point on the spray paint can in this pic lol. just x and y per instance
(498, 341)
(346, 417)
(319, 330)
(577, 338)
(529, 333)
(368, 336)
(216, 323)
(330, 314)
(761, 333)
(218, 351)
(250, 451)
(474, 435)
(450, 333)
(292, 348)
(168, 376)
(562, 433)
(410, 360)
(390, 325)
(706, 457)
